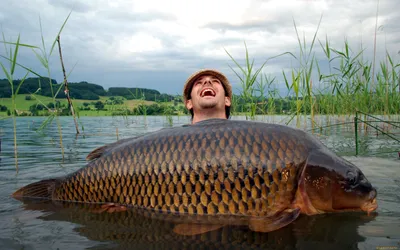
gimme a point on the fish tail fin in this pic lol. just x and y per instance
(42, 189)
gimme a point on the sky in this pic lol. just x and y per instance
(158, 44)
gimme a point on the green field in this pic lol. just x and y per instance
(22, 105)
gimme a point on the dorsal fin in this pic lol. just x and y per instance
(98, 152)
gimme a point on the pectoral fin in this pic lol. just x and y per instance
(110, 208)
(195, 229)
(275, 222)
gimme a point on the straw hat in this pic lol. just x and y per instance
(187, 89)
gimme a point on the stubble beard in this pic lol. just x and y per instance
(208, 105)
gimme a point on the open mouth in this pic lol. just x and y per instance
(207, 92)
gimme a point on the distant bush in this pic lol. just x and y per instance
(28, 97)
(99, 105)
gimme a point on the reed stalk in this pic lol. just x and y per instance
(248, 77)
(66, 90)
(44, 57)
(12, 59)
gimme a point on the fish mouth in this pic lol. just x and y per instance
(370, 206)
(207, 92)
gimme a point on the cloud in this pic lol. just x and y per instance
(76, 6)
(159, 43)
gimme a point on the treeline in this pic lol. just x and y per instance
(140, 93)
(79, 90)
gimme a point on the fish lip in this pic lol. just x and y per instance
(370, 206)
(207, 89)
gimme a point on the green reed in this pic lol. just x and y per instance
(346, 86)
(249, 84)
(247, 79)
(44, 57)
(12, 56)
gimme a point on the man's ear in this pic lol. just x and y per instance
(189, 104)
(227, 101)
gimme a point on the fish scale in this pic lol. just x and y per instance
(239, 170)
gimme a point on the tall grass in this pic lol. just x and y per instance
(11, 57)
(302, 76)
(248, 76)
(348, 84)
(44, 58)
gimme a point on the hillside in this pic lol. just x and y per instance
(79, 90)
(39, 105)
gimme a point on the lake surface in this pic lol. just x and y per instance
(43, 225)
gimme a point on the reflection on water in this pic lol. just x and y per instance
(135, 229)
(39, 225)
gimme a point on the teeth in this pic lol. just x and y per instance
(207, 90)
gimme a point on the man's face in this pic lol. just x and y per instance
(207, 92)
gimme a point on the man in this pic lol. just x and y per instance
(207, 94)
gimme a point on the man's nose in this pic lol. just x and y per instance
(207, 82)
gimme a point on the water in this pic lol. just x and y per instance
(58, 226)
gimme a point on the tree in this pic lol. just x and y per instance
(33, 109)
(99, 105)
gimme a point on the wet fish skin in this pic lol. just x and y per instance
(334, 184)
(224, 170)
(215, 167)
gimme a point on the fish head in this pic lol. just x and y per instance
(329, 183)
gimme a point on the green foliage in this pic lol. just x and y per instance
(99, 105)
(115, 100)
(139, 93)
(81, 90)
(248, 77)
(155, 109)
(3, 108)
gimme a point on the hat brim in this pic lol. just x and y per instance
(187, 89)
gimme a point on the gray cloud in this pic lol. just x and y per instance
(125, 16)
(264, 26)
(100, 37)
(75, 6)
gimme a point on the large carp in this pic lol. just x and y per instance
(219, 172)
